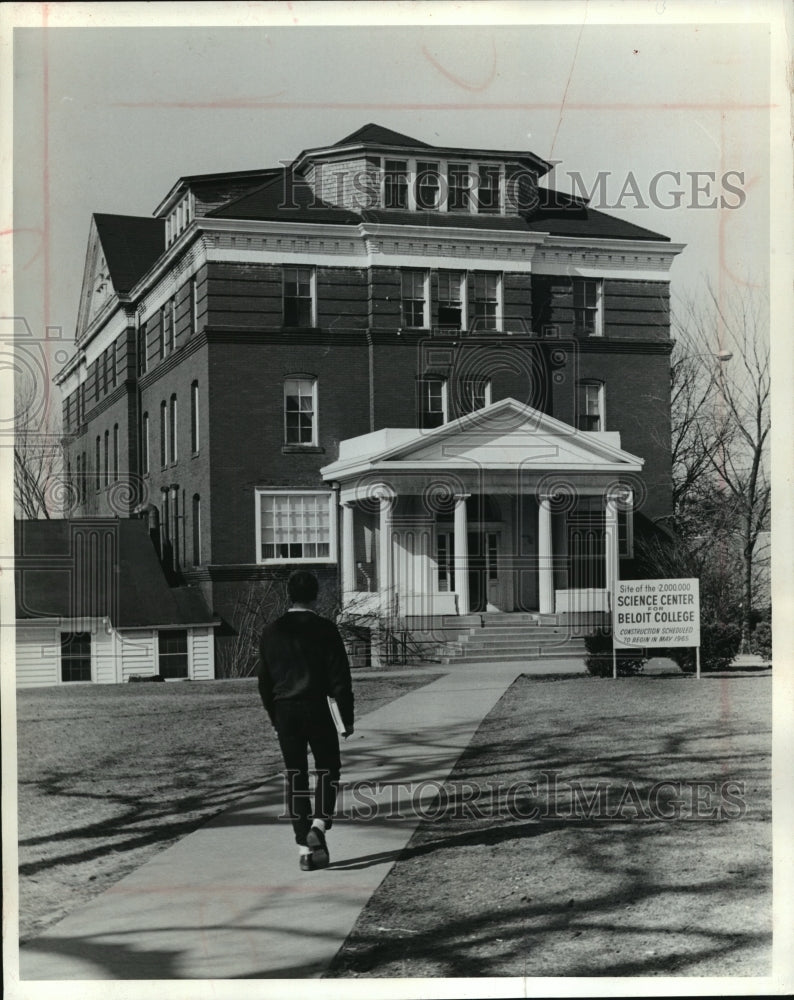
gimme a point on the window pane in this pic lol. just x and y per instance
(395, 184)
(413, 298)
(295, 526)
(75, 656)
(298, 309)
(427, 185)
(488, 192)
(172, 647)
(459, 198)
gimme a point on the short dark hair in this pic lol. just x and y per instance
(302, 586)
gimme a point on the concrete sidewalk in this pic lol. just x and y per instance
(228, 901)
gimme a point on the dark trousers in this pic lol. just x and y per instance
(301, 725)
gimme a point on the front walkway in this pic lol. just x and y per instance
(228, 901)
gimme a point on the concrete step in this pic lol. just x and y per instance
(522, 643)
(526, 655)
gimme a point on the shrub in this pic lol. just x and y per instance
(599, 656)
(761, 640)
(719, 644)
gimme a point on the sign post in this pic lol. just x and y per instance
(657, 613)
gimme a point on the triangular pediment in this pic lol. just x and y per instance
(97, 288)
(505, 435)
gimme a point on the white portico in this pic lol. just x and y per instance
(504, 509)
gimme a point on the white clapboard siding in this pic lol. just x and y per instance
(38, 655)
(138, 653)
(202, 654)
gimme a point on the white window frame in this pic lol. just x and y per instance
(173, 427)
(423, 412)
(463, 289)
(300, 377)
(598, 326)
(425, 297)
(195, 435)
(487, 397)
(330, 559)
(585, 384)
(498, 320)
(448, 567)
(443, 165)
(146, 454)
(312, 292)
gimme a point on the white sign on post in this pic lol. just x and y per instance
(656, 613)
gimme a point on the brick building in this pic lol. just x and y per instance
(411, 368)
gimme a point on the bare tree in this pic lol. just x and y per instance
(721, 424)
(38, 456)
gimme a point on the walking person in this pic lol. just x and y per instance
(302, 662)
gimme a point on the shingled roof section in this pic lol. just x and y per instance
(131, 245)
(278, 199)
(382, 136)
(557, 213)
(63, 572)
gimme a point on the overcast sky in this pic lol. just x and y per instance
(106, 120)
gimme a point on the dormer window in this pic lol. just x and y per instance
(428, 188)
(460, 185)
(395, 184)
(437, 185)
(489, 189)
(179, 219)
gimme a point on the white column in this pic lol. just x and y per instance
(385, 583)
(348, 551)
(611, 545)
(545, 564)
(461, 553)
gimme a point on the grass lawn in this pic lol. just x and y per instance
(491, 888)
(110, 774)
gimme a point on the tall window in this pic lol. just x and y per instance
(300, 411)
(428, 187)
(163, 433)
(486, 301)
(104, 372)
(298, 296)
(98, 464)
(145, 444)
(587, 306)
(79, 489)
(196, 524)
(295, 527)
(489, 189)
(193, 306)
(113, 362)
(84, 478)
(451, 298)
(172, 323)
(75, 656)
(590, 406)
(163, 343)
(459, 186)
(445, 562)
(172, 653)
(172, 434)
(194, 418)
(474, 394)
(106, 476)
(414, 298)
(395, 184)
(115, 453)
(432, 402)
(142, 348)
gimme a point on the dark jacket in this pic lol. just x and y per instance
(302, 657)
